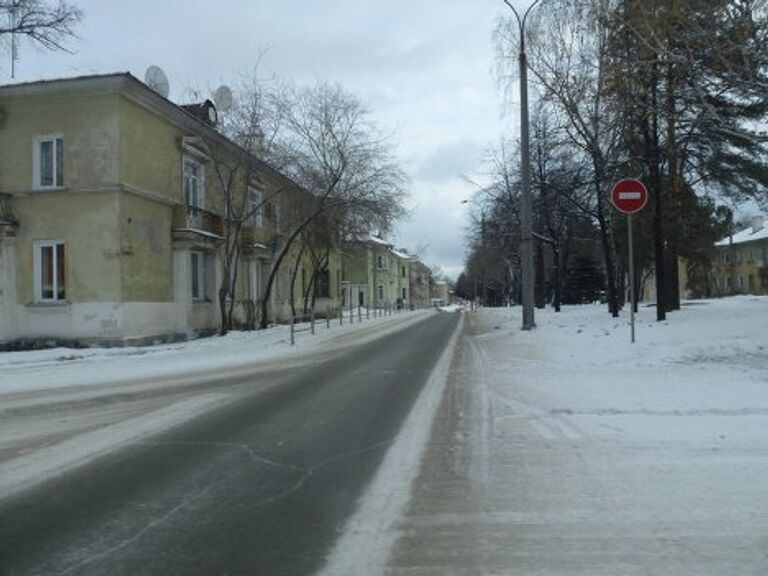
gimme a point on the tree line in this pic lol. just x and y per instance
(673, 92)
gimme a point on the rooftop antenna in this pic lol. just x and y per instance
(223, 98)
(14, 45)
(156, 79)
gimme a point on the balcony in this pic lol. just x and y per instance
(257, 239)
(190, 222)
(8, 220)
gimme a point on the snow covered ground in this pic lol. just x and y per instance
(67, 367)
(568, 450)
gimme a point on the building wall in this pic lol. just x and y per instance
(90, 130)
(742, 268)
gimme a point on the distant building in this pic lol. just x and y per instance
(420, 284)
(375, 275)
(741, 261)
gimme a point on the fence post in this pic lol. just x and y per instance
(312, 320)
(367, 312)
(341, 315)
(327, 319)
(293, 338)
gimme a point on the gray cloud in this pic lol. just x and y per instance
(423, 67)
(450, 161)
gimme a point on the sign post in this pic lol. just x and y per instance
(630, 196)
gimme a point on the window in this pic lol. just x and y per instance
(50, 271)
(380, 262)
(741, 281)
(202, 276)
(381, 292)
(322, 285)
(255, 208)
(405, 294)
(194, 183)
(727, 282)
(738, 256)
(48, 162)
(402, 272)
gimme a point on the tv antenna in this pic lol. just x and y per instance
(156, 79)
(14, 43)
(223, 98)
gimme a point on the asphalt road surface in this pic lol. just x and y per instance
(261, 485)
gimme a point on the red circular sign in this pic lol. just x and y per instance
(629, 195)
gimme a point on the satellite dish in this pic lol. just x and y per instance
(223, 98)
(156, 79)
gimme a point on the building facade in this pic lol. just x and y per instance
(741, 261)
(112, 220)
(375, 274)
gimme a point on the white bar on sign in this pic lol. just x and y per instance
(629, 195)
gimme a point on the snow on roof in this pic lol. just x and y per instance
(746, 235)
(377, 240)
(402, 255)
(36, 79)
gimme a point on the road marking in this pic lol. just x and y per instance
(371, 532)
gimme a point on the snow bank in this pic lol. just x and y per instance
(64, 367)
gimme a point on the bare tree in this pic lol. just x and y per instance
(48, 24)
(325, 140)
(569, 58)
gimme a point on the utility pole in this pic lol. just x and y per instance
(526, 209)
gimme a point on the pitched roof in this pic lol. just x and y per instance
(746, 235)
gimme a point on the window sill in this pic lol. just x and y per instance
(55, 304)
(49, 189)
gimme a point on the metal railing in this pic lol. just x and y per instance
(6, 208)
(197, 219)
(308, 322)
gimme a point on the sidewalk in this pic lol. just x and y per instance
(66, 367)
(565, 451)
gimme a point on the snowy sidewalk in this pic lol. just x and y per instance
(567, 450)
(66, 367)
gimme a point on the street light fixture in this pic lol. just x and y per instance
(526, 217)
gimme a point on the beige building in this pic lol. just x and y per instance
(375, 274)
(741, 261)
(112, 219)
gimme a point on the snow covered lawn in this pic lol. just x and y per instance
(572, 451)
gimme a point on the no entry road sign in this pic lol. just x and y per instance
(629, 195)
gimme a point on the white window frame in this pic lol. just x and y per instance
(740, 281)
(256, 207)
(37, 274)
(201, 182)
(37, 142)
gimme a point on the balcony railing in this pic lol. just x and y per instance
(6, 210)
(251, 237)
(193, 219)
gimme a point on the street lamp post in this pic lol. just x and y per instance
(526, 217)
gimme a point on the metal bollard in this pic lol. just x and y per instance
(312, 321)
(293, 337)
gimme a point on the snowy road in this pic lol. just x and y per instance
(564, 451)
(249, 473)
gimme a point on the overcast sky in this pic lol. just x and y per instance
(425, 67)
